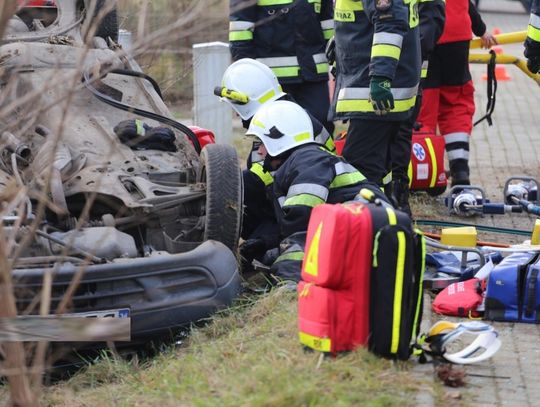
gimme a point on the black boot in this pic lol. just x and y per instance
(401, 195)
(459, 171)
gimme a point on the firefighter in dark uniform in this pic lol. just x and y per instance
(290, 37)
(305, 175)
(448, 97)
(378, 71)
(532, 44)
(247, 85)
(432, 16)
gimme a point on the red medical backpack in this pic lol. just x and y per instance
(426, 169)
(361, 280)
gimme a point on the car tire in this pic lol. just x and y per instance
(221, 172)
(108, 26)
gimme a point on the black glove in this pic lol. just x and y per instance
(380, 95)
(252, 248)
(129, 130)
(534, 64)
(139, 136)
(270, 256)
(159, 138)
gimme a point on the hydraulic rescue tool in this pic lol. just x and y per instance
(523, 193)
(471, 200)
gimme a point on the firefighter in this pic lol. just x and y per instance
(432, 16)
(290, 37)
(378, 70)
(247, 84)
(532, 44)
(305, 175)
(448, 97)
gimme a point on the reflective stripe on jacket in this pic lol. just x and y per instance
(309, 177)
(370, 43)
(532, 44)
(287, 35)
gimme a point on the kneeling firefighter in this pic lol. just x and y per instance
(305, 175)
(246, 86)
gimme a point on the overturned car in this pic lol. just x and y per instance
(101, 188)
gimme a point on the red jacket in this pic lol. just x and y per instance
(462, 19)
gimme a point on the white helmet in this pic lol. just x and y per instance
(281, 125)
(246, 85)
(484, 346)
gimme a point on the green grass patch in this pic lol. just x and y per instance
(249, 356)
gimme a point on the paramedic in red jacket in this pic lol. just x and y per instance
(448, 99)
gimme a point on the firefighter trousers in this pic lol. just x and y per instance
(367, 146)
(400, 149)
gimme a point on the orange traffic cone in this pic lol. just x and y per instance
(500, 70)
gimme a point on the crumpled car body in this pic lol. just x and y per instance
(149, 231)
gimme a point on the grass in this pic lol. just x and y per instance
(248, 357)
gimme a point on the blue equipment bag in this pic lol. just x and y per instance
(506, 290)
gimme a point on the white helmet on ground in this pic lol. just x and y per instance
(246, 85)
(484, 346)
(281, 125)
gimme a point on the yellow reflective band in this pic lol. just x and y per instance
(263, 175)
(330, 145)
(140, 128)
(392, 218)
(387, 178)
(302, 137)
(328, 33)
(273, 2)
(385, 50)
(316, 5)
(258, 123)
(433, 157)
(363, 105)
(533, 33)
(376, 249)
(349, 5)
(414, 18)
(241, 35)
(288, 71)
(421, 280)
(311, 265)
(292, 256)
(267, 96)
(345, 180)
(410, 173)
(303, 200)
(423, 74)
(313, 342)
(398, 292)
(322, 68)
